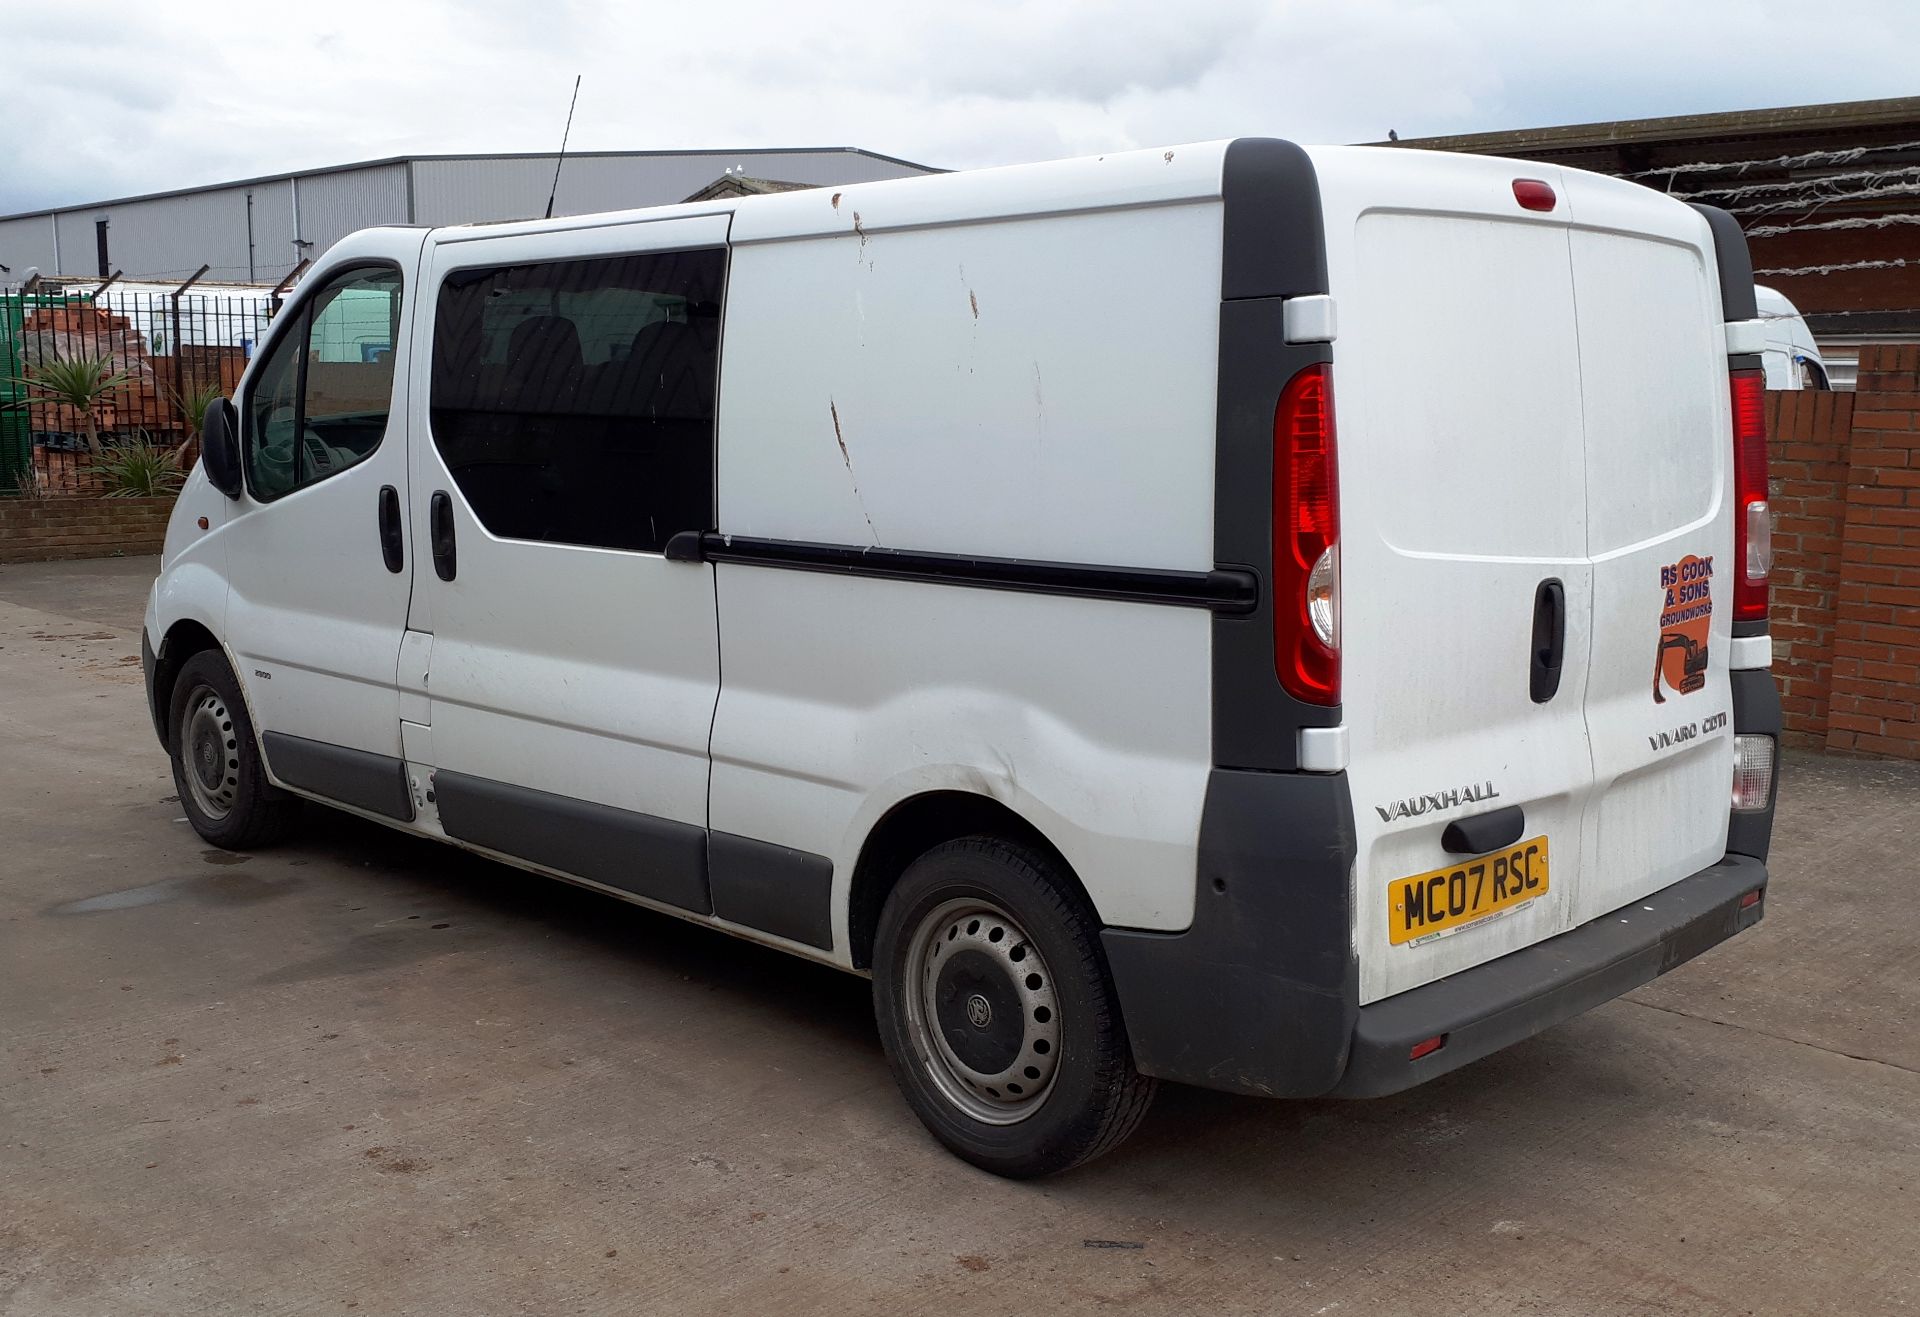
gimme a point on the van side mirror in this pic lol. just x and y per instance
(220, 446)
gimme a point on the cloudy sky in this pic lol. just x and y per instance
(106, 99)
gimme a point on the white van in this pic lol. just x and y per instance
(1789, 357)
(963, 581)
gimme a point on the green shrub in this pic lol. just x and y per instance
(139, 470)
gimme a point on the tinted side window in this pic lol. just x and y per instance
(573, 400)
(322, 398)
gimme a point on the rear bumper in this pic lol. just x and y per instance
(1481, 1010)
(1261, 993)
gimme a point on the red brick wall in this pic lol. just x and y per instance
(45, 529)
(1846, 593)
(1875, 702)
(1809, 433)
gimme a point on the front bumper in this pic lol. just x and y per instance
(1481, 1010)
(149, 665)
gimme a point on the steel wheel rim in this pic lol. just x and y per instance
(210, 753)
(969, 965)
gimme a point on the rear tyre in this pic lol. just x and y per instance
(994, 1005)
(216, 761)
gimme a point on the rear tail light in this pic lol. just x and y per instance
(1753, 519)
(1752, 772)
(1306, 539)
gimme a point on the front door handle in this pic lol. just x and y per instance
(392, 546)
(1549, 639)
(440, 531)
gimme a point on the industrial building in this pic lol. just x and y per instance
(258, 230)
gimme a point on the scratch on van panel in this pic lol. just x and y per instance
(846, 459)
(858, 231)
(973, 302)
(1039, 403)
(836, 201)
(1168, 157)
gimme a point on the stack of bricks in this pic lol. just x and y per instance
(61, 471)
(143, 402)
(1846, 610)
(45, 530)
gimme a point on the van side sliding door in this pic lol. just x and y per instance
(563, 433)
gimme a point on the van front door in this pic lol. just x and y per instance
(564, 433)
(318, 545)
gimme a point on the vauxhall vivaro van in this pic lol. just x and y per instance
(1286, 620)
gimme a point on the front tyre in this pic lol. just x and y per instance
(217, 768)
(998, 1019)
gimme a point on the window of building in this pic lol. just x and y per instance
(573, 400)
(321, 399)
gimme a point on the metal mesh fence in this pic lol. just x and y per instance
(168, 350)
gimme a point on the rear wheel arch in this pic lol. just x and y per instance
(915, 826)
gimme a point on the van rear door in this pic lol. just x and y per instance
(1463, 492)
(1654, 391)
(1525, 397)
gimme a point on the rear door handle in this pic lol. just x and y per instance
(392, 547)
(440, 531)
(1549, 639)
(1485, 832)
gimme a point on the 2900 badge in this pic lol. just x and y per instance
(1449, 898)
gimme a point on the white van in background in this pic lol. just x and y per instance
(1791, 359)
(1130, 607)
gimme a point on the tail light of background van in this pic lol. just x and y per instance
(1306, 539)
(1753, 519)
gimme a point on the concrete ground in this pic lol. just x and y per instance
(362, 1073)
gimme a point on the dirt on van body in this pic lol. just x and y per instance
(364, 1073)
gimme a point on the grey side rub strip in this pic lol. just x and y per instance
(775, 889)
(660, 859)
(376, 783)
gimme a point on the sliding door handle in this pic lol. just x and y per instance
(392, 547)
(440, 531)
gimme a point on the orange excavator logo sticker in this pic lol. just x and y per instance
(1686, 616)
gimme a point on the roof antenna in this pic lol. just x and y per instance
(561, 159)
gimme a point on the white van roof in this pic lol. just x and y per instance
(1157, 176)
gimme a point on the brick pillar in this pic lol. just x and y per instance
(1807, 441)
(1874, 705)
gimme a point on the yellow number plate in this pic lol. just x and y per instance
(1430, 903)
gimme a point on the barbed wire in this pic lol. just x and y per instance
(1842, 156)
(1806, 184)
(1849, 222)
(1800, 271)
(1814, 203)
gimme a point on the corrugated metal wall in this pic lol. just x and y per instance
(496, 188)
(170, 237)
(334, 205)
(26, 243)
(273, 235)
(165, 238)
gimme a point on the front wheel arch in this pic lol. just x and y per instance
(182, 641)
